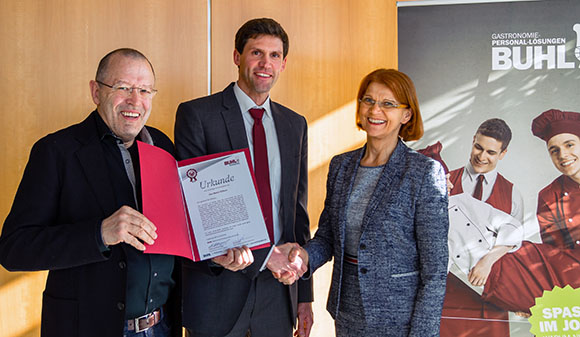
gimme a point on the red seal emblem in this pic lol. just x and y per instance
(192, 175)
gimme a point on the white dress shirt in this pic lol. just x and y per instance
(469, 181)
(274, 160)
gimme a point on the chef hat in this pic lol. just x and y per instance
(554, 122)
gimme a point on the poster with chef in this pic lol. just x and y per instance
(499, 89)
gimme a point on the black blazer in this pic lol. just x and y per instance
(63, 197)
(214, 297)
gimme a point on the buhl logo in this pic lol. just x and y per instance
(232, 162)
(529, 50)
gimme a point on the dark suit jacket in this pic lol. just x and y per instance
(403, 254)
(214, 297)
(63, 197)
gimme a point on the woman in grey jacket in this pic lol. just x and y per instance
(384, 221)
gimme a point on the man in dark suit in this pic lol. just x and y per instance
(234, 295)
(77, 214)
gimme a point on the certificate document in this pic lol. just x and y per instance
(201, 206)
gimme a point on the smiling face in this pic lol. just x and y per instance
(124, 114)
(259, 65)
(485, 153)
(564, 150)
(378, 123)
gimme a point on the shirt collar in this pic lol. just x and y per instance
(569, 183)
(488, 176)
(246, 103)
(104, 131)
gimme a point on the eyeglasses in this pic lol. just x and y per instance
(127, 91)
(384, 105)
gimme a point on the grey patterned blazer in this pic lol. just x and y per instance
(403, 247)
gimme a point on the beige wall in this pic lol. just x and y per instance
(50, 50)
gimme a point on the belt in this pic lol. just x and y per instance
(144, 322)
(350, 259)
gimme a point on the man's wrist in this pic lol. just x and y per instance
(265, 264)
(99, 238)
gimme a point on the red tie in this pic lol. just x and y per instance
(479, 187)
(261, 169)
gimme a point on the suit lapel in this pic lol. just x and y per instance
(93, 164)
(383, 191)
(233, 118)
(348, 173)
(286, 145)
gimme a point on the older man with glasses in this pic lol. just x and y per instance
(77, 213)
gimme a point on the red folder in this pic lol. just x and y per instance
(163, 200)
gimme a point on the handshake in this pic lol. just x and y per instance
(288, 262)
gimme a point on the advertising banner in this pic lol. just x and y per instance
(499, 88)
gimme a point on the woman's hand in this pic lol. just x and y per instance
(294, 265)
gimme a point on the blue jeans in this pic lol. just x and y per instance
(160, 329)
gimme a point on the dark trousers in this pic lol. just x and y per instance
(266, 312)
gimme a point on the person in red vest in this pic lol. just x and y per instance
(480, 177)
(487, 254)
(464, 311)
(559, 203)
